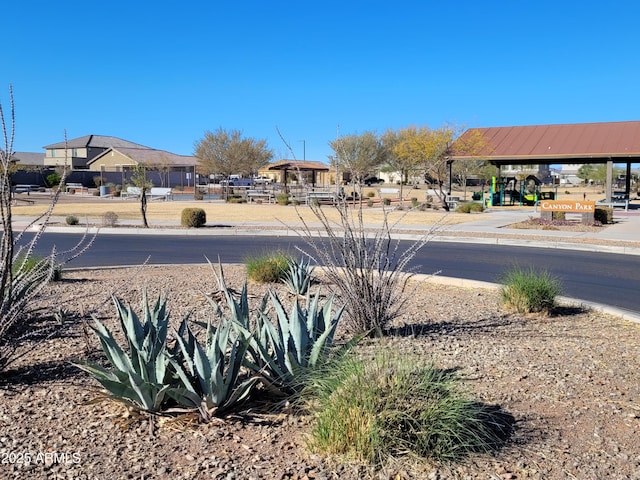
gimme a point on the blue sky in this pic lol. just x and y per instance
(162, 73)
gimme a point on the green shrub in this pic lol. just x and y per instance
(268, 268)
(529, 291)
(198, 195)
(53, 179)
(386, 201)
(369, 203)
(558, 216)
(236, 199)
(35, 266)
(477, 207)
(604, 215)
(193, 217)
(370, 409)
(72, 220)
(414, 202)
(282, 199)
(469, 207)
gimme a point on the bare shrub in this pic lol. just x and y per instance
(109, 219)
(23, 274)
(369, 267)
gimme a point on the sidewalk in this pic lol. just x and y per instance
(494, 226)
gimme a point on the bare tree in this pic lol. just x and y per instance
(475, 145)
(358, 155)
(22, 274)
(226, 153)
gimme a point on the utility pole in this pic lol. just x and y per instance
(304, 150)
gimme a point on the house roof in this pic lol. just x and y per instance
(28, 158)
(99, 141)
(149, 156)
(579, 142)
(298, 165)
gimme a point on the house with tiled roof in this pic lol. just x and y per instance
(105, 153)
(78, 152)
(114, 159)
(28, 160)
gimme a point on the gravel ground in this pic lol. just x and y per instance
(571, 382)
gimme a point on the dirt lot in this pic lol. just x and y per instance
(571, 381)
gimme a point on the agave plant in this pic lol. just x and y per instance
(299, 276)
(280, 353)
(215, 369)
(300, 341)
(143, 378)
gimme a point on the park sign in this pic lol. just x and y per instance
(587, 209)
(569, 206)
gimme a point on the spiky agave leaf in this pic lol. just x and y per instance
(215, 367)
(142, 377)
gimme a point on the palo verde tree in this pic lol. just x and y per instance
(399, 157)
(474, 145)
(143, 184)
(358, 155)
(429, 149)
(227, 152)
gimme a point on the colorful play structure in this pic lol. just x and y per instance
(509, 191)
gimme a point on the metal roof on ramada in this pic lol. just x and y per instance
(298, 164)
(580, 142)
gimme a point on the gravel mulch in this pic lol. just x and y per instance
(571, 381)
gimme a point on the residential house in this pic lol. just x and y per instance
(78, 152)
(113, 159)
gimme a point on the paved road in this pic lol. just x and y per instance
(606, 278)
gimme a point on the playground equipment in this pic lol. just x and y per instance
(527, 193)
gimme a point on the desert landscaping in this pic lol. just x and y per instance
(569, 380)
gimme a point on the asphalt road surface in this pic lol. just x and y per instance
(609, 279)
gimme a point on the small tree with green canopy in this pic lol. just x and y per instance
(143, 184)
(597, 173)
